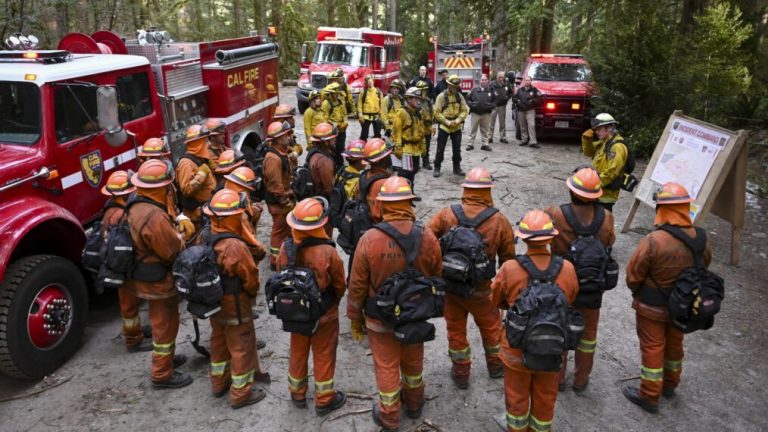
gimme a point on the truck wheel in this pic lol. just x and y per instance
(303, 106)
(43, 309)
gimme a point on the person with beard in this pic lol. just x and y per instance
(217, 140)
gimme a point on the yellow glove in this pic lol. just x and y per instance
(204, 170)
(357, 330)
(298, 149)
(434, 130)
(211, 165)
(589, 133)
(399, 152)
(185, 226)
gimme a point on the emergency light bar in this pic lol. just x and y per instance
(557, 55)
(43, 56)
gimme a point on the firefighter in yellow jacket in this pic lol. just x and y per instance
(450, 111)
(428, 117)
(408, 135)
(337, 76)
(313, 116)
(334, 110)
(368, 109)
(609, 155)
(391, 103)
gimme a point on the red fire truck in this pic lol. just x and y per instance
(359, 52)
(68, 118)
(467, 60)
(565, 80)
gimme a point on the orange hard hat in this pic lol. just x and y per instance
(228, 161)
(585, 183)
(396, 188)
(245, 177)
(118, 183)
(215, 126)
(308, 214)
(354, 149)
(536, 225)
(324, 132)
(672, 193)
(153, 173)
(478, 178)
(284, 111)
(376, 149)
(196, 132)
(154, 148)
(277, 129)
(226, 202)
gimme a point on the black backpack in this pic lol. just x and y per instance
(339, 195)
(596, 269)
(541, 323)
(356, 215)
(407, 299)
(293, 294)
(709, 286)
(94, 241)
(302, 184)
(465, 263)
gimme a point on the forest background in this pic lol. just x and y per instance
(708, 58)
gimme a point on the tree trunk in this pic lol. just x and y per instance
(375, 15)
(691, 8)
(534, 36)
(547, 26)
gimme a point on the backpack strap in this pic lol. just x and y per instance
(696, 245)
(549, 275)
(313, 151)
(198, 161)
(366, 182)
(283, 159)
(578, 228)
(410, 243)
(292, 249)
(458, 211)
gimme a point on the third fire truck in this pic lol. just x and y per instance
(468, 60)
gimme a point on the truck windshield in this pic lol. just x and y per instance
(352, 55)
(19, 113)
(576, 72)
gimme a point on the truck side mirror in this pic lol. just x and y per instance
(303, 53)
(108, 119)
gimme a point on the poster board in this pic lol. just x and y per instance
(710, 161)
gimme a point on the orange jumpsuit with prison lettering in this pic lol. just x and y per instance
(329, 273)
(530, 395)
(498, 237)
(377, 257)
(656, 263)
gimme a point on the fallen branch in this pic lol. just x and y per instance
(628, 379)
(359, 396)
(349, 413)
(36, 392)
(426, 426)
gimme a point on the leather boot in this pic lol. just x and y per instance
(457, 171)
(256, 396)
(179, 360)
(143, 346)
(436, 172)
(414, 414)
(377, 418)
(338, 401)
(178, 380)
(633, 395)
(427, 165)
(461, 381)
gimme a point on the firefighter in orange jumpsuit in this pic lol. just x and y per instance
(118, 188)
(243, 179)
(530, 395)
(217, 139)
(234, 361)
(376, 258)
(287, 113)
(499, 240)
(156, 245)
(193, 174)
(585, 190)
(278, 170)
(655, 265)
(377, 154)
(321, 165)
(307, 221)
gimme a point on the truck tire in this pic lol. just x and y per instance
(303, 106)
(34, 343)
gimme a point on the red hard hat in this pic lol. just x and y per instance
(376, 149)
(585, 183)
(226, 202)
(536, 225)
(154, 148)
(245, 177)
(478, 178)
(228, 161)
(215, 126)
(118, 183)
(396, 188)
(309, 214)
(284, 111)
(354, 149)
(324, 132)
(672, 193)
(277, 129)
(196, 132)
(153, 173)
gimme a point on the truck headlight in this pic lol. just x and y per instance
(305, 85)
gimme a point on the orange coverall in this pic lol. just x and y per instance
(277, 178)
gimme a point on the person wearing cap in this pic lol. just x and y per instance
(655, 265)
(217, 139)
(441, 85)
(428, 119)
(243, 179)
(337, 76)
(234, 362)
(391, 103)
(585, 189)
(408, 136)
(499, 242)
(369, 109)
(377, 154)
(278, 170)
(527, 98)
(320, 161)
(450, 112)
(422, 77)
(609, 154)
(118, 189)
(376, 258)
(316, 251)
(529, 395)
(313, 116)
(193, 174)
(227, 162)
(481, 104)
(287, 113)
(335, 112)
(155, 246)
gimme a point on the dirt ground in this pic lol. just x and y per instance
(104, 388)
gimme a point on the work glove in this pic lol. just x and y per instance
(257, 210)
(211, 165)
(399, 152)
(357, 330)
(298, 149)
(696, 302)
(589, 134)
(204, 170)
(434, 129)
(185, 226)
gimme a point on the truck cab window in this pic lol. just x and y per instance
(19, 113)
(71, 121)
(133, 94)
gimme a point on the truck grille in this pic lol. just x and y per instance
(319, 81)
